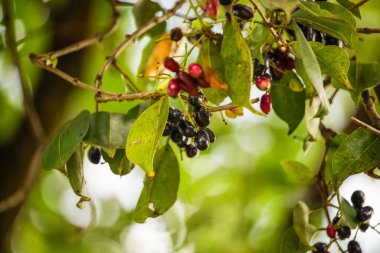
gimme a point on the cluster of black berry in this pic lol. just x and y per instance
(184, 133)
(363, 215)
(187, 81)
(314, 35)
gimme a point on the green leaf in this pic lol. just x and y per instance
(312, 123)
(310, 63)
(238, 65)
(348, 4)
(288, 104)
(145, 10)
(209, 57)
(298, 172)
(333, 61)
(109, 131)
(291, 243)
(329, 18)
(363, 76)
(74, 169)
(304, 230)
(359, 152)
(65, 142)
(286, 5)
(144, 135)
(301, 71)
(333, 147)
(160, 192)
(348, 213)
(257, 39)
(119, 164)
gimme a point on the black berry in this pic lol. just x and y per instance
(94, 155)
(258, 68)
(176, 34)
(195, 100)
(183, 143)
(319, 37)
(202, 140)
(335, 220)
(176, 136)
(308, 32)
(211, 134)
(364, 214)
(242, 11)
(175, 116)
(320, 247)
(225, 2)
(344, 232)
(202, 116)
(363, 227)
(167, 130)
(354, 247)
(332, 41)
(357, 199)
(187, 129)
(191, 151)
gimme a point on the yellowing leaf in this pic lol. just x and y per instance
(160, 51)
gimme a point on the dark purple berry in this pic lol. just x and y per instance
(266, 103)
(259, 69)
(308, 32)
(242, 11)
(202, 116)
(167, 130)
(191, 151)
(335, 220)
(289, 63)
(319, 37)
(364, 214)
(195, 70)
(171, 64)
(173, 88)
(176, 136)
(176, 34)
(94, 155)
(353, 247)
(183, 143)
(203, 83)
(320, 247)
(187, 83)
(357, 199)
(225, 2)
(211, 134)
(175, 116)
(202, 140)
(195, 100)
(363, 227)
(344, 232)
(330, 40)
(186, 128)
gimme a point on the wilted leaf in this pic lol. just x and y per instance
(312, 69)
(65, 142)
(288, 104)
(157, 55)
(304, 230)
(160, 192)
(109, 131)
(359, 152)
(74, 169)
(145, 133)
(312, 123)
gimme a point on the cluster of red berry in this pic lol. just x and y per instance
(186, 81)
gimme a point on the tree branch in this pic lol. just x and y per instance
(30, 110)
(129, 38)
(365, 125)
(367, 30)
(130, 97)
(370, 107)
(354, 7)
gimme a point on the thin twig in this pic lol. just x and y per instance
(367, 30)
(30, 110)
(20, 195)
(90, 41)
(365, 125)
(229, 106)
(370, 107)
(126, 76)
(40, 62)
(129, 97)
(354, 7)
(129, 38)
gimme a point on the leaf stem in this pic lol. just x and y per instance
(354, 7)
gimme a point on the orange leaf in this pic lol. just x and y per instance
(214, 80)
(160, 52)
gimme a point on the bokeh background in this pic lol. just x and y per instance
(235, 197)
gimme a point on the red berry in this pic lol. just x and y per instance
(171, 64)
(331, 232)
(203, 83)
(187, 83)
(195, 70)
(265, 103)
(212, 8)
(173, 88)
(176, 34)
(263, 83)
